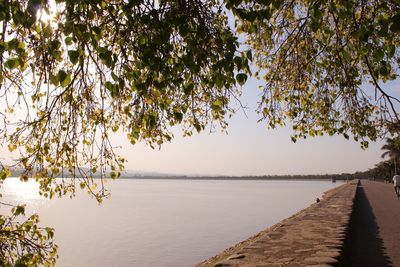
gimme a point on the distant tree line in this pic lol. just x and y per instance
(15, 172)
(254, 177)
(382, 171)
(386, 169)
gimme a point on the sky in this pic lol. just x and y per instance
(249, 148)
(246, 148)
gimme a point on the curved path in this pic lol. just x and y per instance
(374, 238)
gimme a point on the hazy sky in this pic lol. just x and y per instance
(250, 148)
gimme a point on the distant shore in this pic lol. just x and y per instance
(261, 178)
(16, 172)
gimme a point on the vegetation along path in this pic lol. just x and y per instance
(375, 231)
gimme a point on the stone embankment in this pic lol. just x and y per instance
(313, 237)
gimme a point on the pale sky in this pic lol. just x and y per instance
(249, 148)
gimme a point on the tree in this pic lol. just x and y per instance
(314, 57)
(24, 243)
(392, 148)
(73, 72)
(383, 171)
(101, 66)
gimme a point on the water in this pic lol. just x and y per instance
(163, 222)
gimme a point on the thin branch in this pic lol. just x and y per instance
(388, 97)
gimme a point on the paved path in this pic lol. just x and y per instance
(375, 231)
(312, 237)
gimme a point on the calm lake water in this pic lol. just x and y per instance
(163, 222)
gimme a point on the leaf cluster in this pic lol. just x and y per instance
(316, 55)
(98, 67)
(24, 243)
(74, 72)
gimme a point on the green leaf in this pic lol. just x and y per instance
(68, 27)
(49, 231)
(178, 116)
(384, 69)
(249, 55)
(20, 264)
(241, 78)
(55, 45)
(217, 105)
(395, 27)
(112, 88)
(238, 62)
(142, 39)
(19, 210)
(12, 63)
(13, 44)
(68, 98)
(68, 40)
(106, 57)
(73, 56)
(188, 89)
(64, 78)
(115, 128)
(12, 147)
(3, 175)
(109, 86)
(197, 127)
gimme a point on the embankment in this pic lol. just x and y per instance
(313, 237)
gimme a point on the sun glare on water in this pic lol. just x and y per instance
(17, 191)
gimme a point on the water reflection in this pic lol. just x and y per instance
(163, 222)
(17, 192)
